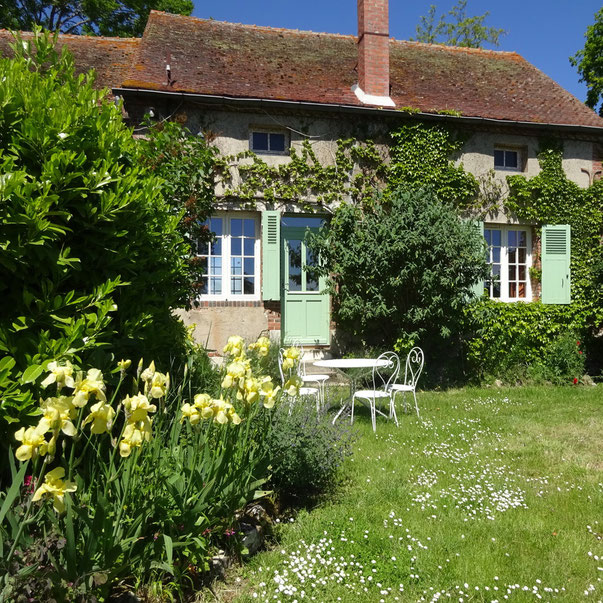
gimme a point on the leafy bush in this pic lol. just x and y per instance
(111, 490)
(306, 450)
(562, 362)
(401, 268)
(515, 342)
(186, 165)
(92, 262)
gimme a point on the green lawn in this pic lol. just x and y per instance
(494, 495)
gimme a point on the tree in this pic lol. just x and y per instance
(98, 17)
(461, 30)
(400, 268)
(589, 62)
(92, 262)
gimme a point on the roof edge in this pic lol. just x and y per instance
(329, 107)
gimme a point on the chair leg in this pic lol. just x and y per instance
(373, 406)
(404, 402)
(392, 409)
(416, 405)
(352, 413)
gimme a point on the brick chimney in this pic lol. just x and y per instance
(373, 53)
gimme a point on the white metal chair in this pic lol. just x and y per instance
(383, 377)
(412, 372)
(317, 378)
(287, 373)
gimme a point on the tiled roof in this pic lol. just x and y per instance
(246, 61)
(110, 57)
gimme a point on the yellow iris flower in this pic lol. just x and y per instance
(262, 345)
(124, 365)
(137, 407)
(224, 412)
(55, 487)
(61, 374)
(92, 384)
(134, 435)
(235, 347)
(292, 386)
(290, 358)
(235, 375)
(190, 412)
(57, 415)
(251, 392)
(159, 384)
(269, 392)
(147, 374)
(101, 416)
(33, 443)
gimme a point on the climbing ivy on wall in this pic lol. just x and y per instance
(415, 154)
(420, 154)
(358, 168)
(512, 338)
(551, 198)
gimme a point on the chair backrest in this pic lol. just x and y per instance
(301, 365)
(296, 368)
(385, 376)
(281, 351)
(414, 366)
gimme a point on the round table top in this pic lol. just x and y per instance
(343, 363)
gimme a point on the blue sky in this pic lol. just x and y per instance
(544, 33)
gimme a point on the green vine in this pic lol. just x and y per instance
(551, 198)
(417, 154)
(512, 339)
(422, 154)
(358, 168)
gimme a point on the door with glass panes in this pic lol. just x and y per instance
(305, 306)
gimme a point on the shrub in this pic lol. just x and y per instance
(562, 361)
(306, 450)
(515, 342)
(401, 268)
(131, 490)
(92, 262)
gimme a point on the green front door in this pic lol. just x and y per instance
(305, 304)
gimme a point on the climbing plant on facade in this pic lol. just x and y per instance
(359, 166)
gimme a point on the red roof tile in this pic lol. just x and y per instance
(110, 57)
(247, 61)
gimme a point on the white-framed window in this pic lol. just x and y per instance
(510, 259)
(231, 263)
(508, 159)
(268, 142)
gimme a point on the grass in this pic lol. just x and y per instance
(494, 495)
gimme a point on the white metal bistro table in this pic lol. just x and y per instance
(343, 364)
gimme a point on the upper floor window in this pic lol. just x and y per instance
(268, 142)
(510, 259)
(230, 264)
(507, 159)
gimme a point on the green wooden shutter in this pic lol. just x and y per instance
(556, 264)
(478, 288)
(271, 255)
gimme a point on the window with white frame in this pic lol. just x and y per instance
(507, 159)
(510, 259)
(230, 264)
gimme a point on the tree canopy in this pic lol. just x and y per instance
(98, 17)
(589, 62)
(400, 267)
(458, 29)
